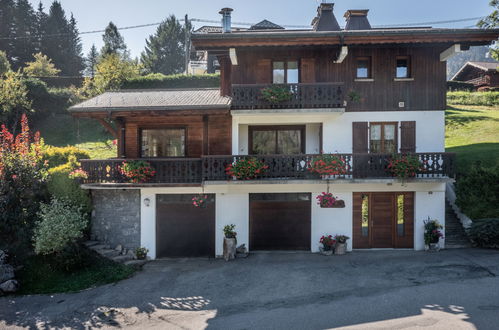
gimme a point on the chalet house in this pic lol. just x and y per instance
(482, 75)
(361, 94)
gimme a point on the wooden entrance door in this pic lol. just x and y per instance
(280, 221)
(383, 220)
(183, 230)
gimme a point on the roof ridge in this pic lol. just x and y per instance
(161, 89)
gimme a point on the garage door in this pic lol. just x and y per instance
(183, 230)
(280, 221)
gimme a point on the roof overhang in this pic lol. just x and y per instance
(137, 112)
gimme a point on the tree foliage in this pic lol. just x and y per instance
(42, 66)
(91, 61)
(490, 22)
(13, 99)
(4, 64)
(112, 71)
(165, 50)
(113, 41)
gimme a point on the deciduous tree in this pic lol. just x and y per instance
(490, 22)
(42, 66)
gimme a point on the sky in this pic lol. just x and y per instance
(96, 14)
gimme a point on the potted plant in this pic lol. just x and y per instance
(327, 165)
(246, 168)
(340, 248)
(137, 171)
(327, 242)
(79, 175)
(200, 201)
(432, 234)
(230, 242)
(327, 200)
(404, 166)
(141, 253)
(276, 94)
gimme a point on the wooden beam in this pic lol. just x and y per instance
(342, 55)
(233, 56)
(108, 127)
(449, 52)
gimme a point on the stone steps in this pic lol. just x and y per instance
(118, 254)
(455, 235)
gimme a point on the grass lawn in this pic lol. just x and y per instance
(472, 132)
(62, 130)
(38, 277)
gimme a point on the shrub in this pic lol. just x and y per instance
(473, 98)
(61, 225)
(158, 80)
(57, 156)
(485, 233)
(477, 192)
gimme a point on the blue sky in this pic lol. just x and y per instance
(96, 14)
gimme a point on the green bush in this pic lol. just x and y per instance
(473, 98)
(57, 156)
(49, 100)
(477, 192)
(485, 233)
(158, 80)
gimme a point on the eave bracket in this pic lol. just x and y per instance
(449, 52)
(342, 55)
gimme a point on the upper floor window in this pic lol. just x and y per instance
(285, 72)
(165, 142)
(363, 68)
(269, 140)
(403, 67)
(383, 138)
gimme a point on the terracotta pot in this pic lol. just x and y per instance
(340, 248)
(229, 248)
(325, 252)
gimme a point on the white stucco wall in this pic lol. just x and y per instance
(232, 209)
(428, 205)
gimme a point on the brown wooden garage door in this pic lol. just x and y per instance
(183, 230)
(280, 221)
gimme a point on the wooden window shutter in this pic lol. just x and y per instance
(360, 137)
(264, 71)
(408, 136)
(307, 68)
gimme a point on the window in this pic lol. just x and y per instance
(383, 138)
(284, 140)
(365, 215)
(165, 142)
(363, 67)
(285, 72)
(403, 67)
(400, 216)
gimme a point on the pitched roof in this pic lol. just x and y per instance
(155, 99)
(216, 29)
(266, 25)
(485, 66)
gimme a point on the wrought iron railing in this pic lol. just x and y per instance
(317, 95)
(280, 167)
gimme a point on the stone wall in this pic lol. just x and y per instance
(116, 217)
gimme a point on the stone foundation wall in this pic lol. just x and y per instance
(116, 217)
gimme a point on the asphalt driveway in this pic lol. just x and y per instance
(374, 289)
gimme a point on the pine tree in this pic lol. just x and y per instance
(165, 50)
(76, 60)
(25, 31)
(91, 61)
(113, 41)
(7, 8)
(41, 22)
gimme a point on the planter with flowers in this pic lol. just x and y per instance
(327, 200)
(137, 171)
(246, 168)
(404, 166)
(328, 165)
(432, 234)
(276, 94)
(230, 242)
(340, 248)
(327, 247)
(79, 175)
(200, 201)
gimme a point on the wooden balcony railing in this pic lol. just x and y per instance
(319, 95)
(280, 167)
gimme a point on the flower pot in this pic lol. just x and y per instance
(434, 247)
(325, 252)
(340, 248)
(229, 248)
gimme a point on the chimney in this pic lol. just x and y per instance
(226, 19)
(357, 19)
(325, 20)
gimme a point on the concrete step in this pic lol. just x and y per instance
(99, 247)
(108, 253)
(135, 263)
(122, 259)
(90, 243)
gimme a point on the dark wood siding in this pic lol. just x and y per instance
(183, 230)
(426, 92)
(307, 68)
(408, 136)
(360, 137)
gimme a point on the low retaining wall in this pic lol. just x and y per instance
(116, 217)
(450, 194)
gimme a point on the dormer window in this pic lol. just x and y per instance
(403, 67)
(285, 72)
(363, 68)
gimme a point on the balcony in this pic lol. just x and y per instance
(186, 171)
(302, 96)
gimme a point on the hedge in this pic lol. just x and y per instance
(473, 98)
(158, 80)
(485, 233)
(57, 156)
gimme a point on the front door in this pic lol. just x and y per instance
(383, 220)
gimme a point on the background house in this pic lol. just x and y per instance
(482, 75)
